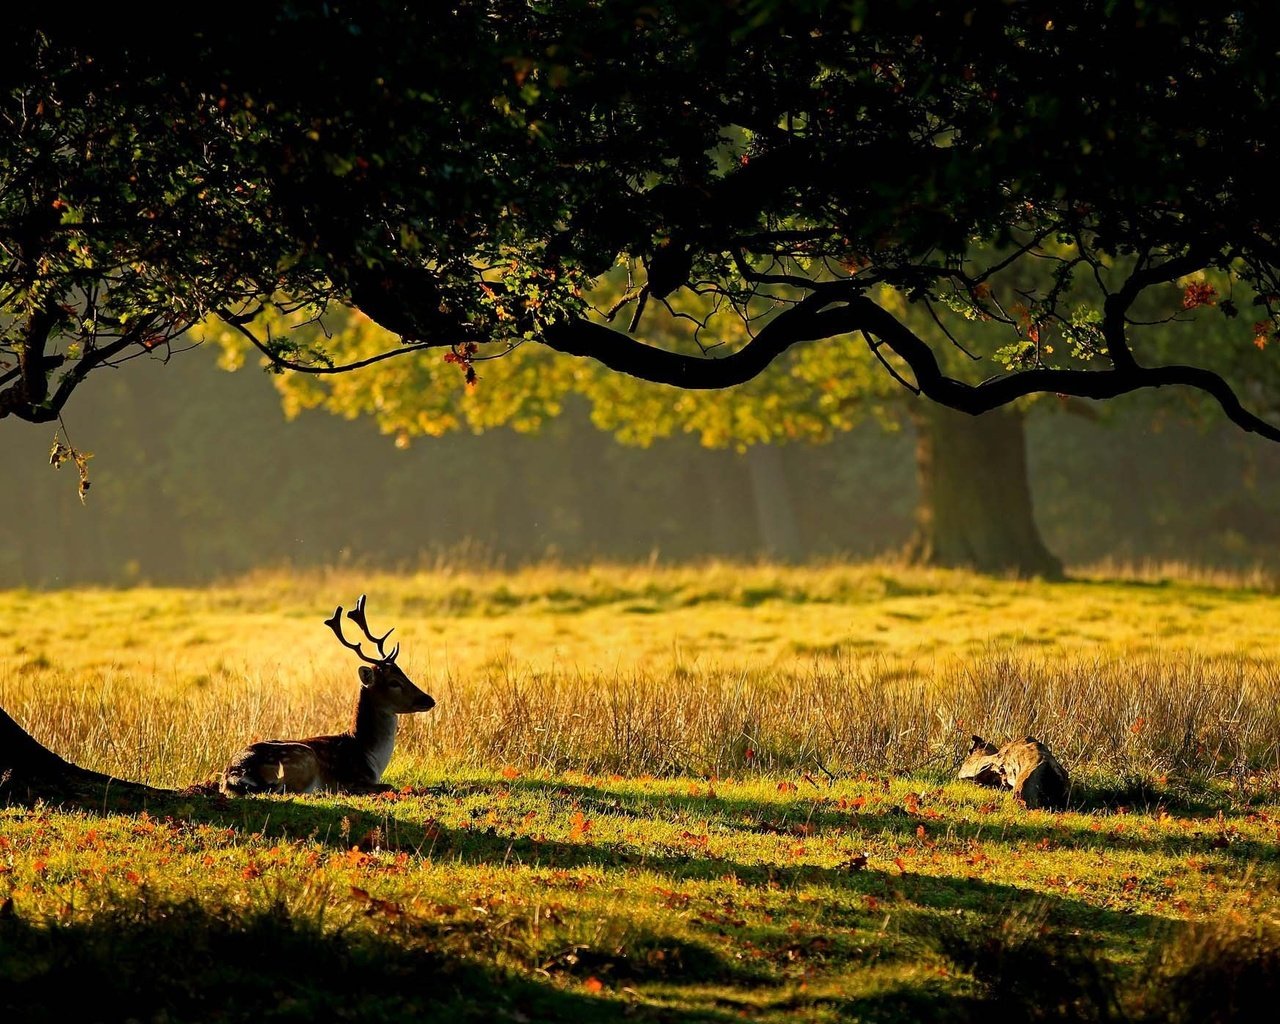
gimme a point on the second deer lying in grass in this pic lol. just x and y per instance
(351, 762)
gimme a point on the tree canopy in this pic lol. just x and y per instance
(1039, 186)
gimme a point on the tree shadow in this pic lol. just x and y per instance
(294, 968)
(345, 825)
(1233, 593)
(186, 962)
(731, 814)
(341, 826)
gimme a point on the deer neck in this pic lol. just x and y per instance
(375, 731)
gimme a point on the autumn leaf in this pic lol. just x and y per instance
(356, 858)
(787, 787)
(1198, 293)
(593, 985)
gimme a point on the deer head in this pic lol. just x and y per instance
(381, 678)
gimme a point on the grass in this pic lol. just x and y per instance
(782, 899)
(733, 804)
(729, 669)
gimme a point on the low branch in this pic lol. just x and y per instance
(13, 400)
(289, 364)
(802, 322)
(831, 312)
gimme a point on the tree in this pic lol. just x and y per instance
(1057, 176)
(974, 506)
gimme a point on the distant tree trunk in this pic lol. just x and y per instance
(775, 512)
(31, 772)
(975, 497)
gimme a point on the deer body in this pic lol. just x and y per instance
(350, 762)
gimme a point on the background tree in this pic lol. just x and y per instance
(974, 499)
(174, 474)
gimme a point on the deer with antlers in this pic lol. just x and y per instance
(353, 761)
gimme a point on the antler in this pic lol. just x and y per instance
(356, 615)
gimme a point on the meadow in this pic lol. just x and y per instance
(709, 793)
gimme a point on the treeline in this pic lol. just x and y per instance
(197, 476)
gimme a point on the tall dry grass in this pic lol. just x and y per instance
(1177, 714)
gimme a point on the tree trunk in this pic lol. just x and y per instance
(975, 498)
(775, 512)
(31, 772)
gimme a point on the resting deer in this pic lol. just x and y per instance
(352, 762)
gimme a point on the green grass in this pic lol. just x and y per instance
(727, 807)
(594, 894)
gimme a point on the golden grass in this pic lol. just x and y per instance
(710, 669)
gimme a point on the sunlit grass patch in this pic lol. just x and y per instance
(730, 668)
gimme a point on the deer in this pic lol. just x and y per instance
(350, 762)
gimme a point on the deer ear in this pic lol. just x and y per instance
(366, 675)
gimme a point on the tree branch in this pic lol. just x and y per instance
(288, 364)
(35, 377)
(833, 311)
(617, 351)
(31, 375)
(1116, 307)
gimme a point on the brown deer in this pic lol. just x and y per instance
(353, 761)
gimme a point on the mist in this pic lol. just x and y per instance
(198, 476)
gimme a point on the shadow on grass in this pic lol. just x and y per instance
(183, 962)
(752, 816)
(1235, 592)
(338, 826)
(343, 825)
(911, 895)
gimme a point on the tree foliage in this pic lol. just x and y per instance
(1042, 187)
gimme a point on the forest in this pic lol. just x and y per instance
(177, 495)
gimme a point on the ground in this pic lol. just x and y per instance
(711, 794)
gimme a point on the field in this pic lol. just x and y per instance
(708, 793)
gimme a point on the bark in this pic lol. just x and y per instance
(31, 773)
(775, 511)
(975, 506)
